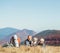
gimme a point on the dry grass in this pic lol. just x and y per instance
(26, 49)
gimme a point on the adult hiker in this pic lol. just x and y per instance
(28, 41)
(42, 42)
(12, 41)
(16, 41)
(35, 41)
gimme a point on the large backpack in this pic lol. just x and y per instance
(19, 40)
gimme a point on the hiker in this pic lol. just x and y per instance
(35, 41)
(15, 41)
(41, 42)
(12, 41)
(28, 41)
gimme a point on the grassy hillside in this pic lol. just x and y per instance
(24, 49)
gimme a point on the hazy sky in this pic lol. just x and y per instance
(30, 14)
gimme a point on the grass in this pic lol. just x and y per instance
(27, 49)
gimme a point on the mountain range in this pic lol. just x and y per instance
(52, 37)
(7, 33)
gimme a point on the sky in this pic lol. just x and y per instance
(36, 15)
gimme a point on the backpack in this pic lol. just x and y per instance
(19, 40)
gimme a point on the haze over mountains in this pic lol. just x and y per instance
(6, 32)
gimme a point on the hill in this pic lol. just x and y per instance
(52, 37)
